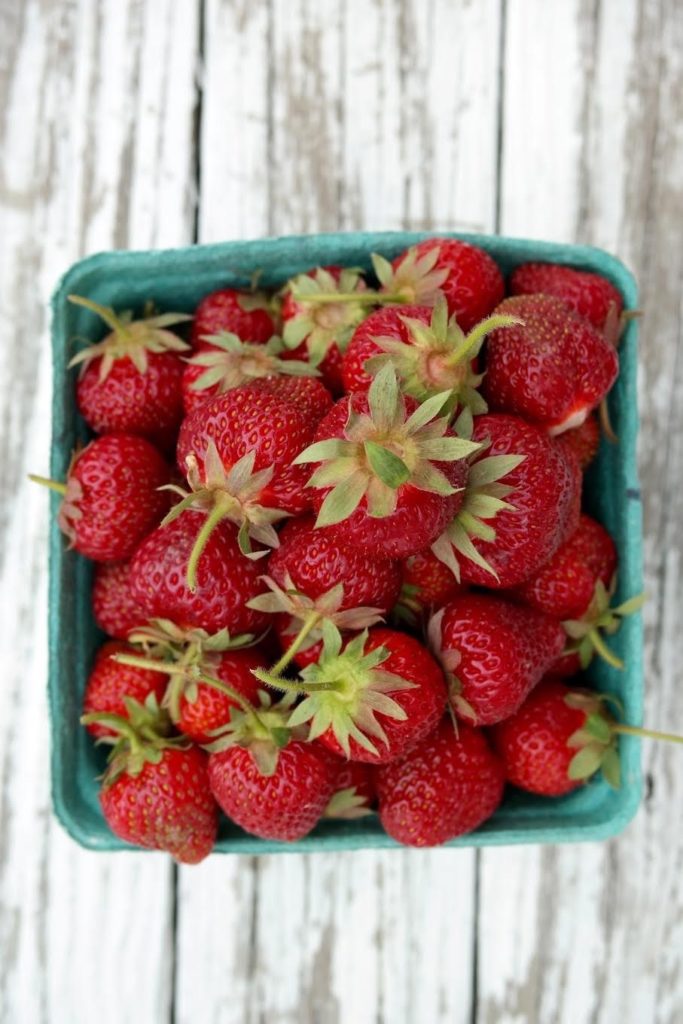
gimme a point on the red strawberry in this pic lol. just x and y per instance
(131, 381)
(109, 682)
(226, 580)
(382, 694)
(588, 294)
(565, 586)
(447, 786)
(553, 369)
(111, 496)
(267, 778)
(226, 362)
(390, 473)
(583, 441)
(249, 315)
(317, 328)
(355, 793)
(521, 501)
(466, 275)
(494, 653)
(556, 740)
(427, 583)
(114, 608)
(310, 396)
(316, 566)
(204, 709)
(387, 322)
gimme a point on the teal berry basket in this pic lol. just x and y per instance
(177, 279)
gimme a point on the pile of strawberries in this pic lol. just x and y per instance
(340, 550)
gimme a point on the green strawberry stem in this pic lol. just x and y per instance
(116, 722)
(368, 298)
(290, 685)
(309, 624)
(104, 312)
(44, 481)
(212, 520)
(603, 650)
(652, 734)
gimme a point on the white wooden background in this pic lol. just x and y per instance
(138, 123)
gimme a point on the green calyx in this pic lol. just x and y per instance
(587, 633)
(383, 450)
(231, 495)
(415, 281)
(348, 804)
(233, 362)
(308, 615)
(71, 493)
(133, 339)
(485, 496)
(329, 311)
(344, 692)
(439, 357)
(140, 737)
(264, 731)
(449, 659)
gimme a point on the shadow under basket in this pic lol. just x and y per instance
(177, 279)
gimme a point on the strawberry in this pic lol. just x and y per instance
(109, 682)
(112, 496)
(588, 294)
(131, 381)
(583, 440)
(552, 369)
(267, 778)
(317, 573)
(355, 793)
(586, 632)
(204, 708)
(155, 792)
(565, 586)
(493, 652)
(225, 362)
(318, 329)
(378, 673)
(429, 352)
(427, 583)
(309, 395)
(390, 472)
(447, 786)
(226, 580)
(114, 609)
(249, 315)
(521, 501)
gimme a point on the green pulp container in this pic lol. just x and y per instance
(177, 279)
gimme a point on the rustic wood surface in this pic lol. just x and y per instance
(137, 123)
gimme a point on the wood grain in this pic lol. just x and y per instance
(593, 933)
(97, 102)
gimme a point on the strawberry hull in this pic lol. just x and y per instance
(178, 279)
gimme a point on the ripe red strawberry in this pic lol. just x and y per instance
(226, 580)
(447, 786)
(583, 441)
(309, 395)
(387, 322)
(466, 275)
(494, 652)
(249, 315)
(383, 692)
(427, 583)
(156, 795)
(390, 473)
(565, 586)
(225, 362)
(355, 792)
(332, 579)
(203, 709)
(109, 682)
(553, 370)
(521, 501)
(130, 382)
(557, 740)
(114, 608)
(317, 328)
(588, 294)
(111, 496)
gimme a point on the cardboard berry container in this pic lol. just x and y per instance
(177, 279)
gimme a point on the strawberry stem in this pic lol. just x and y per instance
(652, 734)
(44, 481)
(603, 650)
(309, 623)
(228, 691)
(104, 313)
(214, 517)
(289, 685)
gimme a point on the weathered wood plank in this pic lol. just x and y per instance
(96, 144)
(593, 152)
(372, 126)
